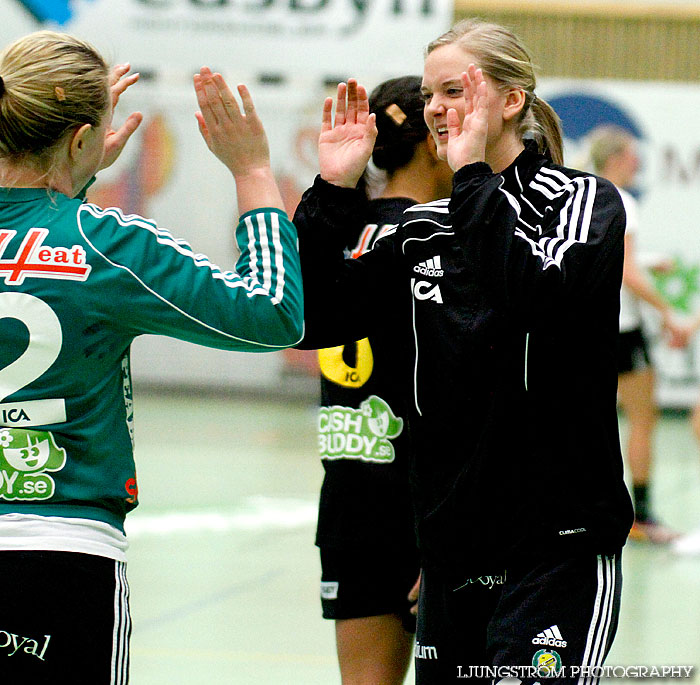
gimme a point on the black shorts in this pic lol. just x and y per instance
(64, 619)
(632, 351)
(357, 584)
(550, 619)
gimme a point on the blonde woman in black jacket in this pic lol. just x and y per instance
(508, 297)
(508, 301)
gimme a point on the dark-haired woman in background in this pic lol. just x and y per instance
(365, 526)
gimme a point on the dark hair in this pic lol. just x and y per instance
(399, 108)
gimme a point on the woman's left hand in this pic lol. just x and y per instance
(467, 141)
(117, 139)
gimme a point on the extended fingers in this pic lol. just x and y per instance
(124, 132)
(251, 116)
(198, 80)
(119, 82)
(481, 101)
(228, 99)
(246, 99)
(454, 126)
(351, 114)
(327, 114)
(362, 104)
(340, 104)
(210, 99)
(358, 103)
(470, 83)
(118, 71)
(116, 140)
(120, 86)
(468, 89)
(351, 105)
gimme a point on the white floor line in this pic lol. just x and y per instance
(252, 513)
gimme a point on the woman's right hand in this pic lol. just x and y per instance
(345, 145)
(115, 140)
(237, 139)
(467, 140)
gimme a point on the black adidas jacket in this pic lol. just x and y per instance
(509, 299)
(365, 503)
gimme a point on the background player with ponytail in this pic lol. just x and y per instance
(365, 527)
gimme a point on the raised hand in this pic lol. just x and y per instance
(237, 139)
(467, 141)
(115, 140)
(345, 144)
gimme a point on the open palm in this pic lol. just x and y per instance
(466, 143)
(345, 144)
(115, 140)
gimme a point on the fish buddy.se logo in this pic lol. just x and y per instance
(50, 11)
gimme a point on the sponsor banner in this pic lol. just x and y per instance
(329, 36)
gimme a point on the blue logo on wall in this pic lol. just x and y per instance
(55, 11)
(580, 114)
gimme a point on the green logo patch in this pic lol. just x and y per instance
(547, 662)
(364, 433)
(25, 458)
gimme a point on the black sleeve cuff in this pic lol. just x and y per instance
(337, 194)
(470, 170)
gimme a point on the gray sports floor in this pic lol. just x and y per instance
(224, 573)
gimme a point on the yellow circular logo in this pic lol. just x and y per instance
(547, 662)
(334, 368)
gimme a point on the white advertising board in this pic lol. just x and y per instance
(273, 36)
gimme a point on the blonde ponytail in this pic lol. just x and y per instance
(542, 124)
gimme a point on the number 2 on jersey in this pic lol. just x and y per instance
(43, 348)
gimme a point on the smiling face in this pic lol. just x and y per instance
(442, 90)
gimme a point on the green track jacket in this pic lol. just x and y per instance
(77, 285)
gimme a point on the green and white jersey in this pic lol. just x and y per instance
(77, 285)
